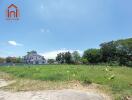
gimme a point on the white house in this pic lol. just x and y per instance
(33, 58)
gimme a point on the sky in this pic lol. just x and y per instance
(53, 26)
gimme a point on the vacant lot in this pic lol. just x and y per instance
(115, 80)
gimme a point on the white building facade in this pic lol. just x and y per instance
(33, 58)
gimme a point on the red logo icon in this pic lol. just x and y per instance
(13, 12)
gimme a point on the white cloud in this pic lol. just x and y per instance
(53, 54)
(14, 43)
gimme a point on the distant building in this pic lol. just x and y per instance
(33, 58)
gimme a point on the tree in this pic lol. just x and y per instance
(68, 58)
(92, 55)
(51, 61)
(124, 51)
(18, 60)
(8, 60)
(119, 51)
(108, 51)
(13, 60)
(60, 58)
(76, 57)
(2, 60)
(64, 57)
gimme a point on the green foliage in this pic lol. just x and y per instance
(51, 61)
(92, 55)
(2, 60)
(117, 51)
(60, 58)
(76, 57)
(64, 58)
(84, 61)
(13, 60)
(68, 58)
(129, 63)
(108, 51)
(8, 59)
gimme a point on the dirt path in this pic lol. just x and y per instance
(49, 95)
(2, 83)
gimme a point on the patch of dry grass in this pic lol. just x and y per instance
(33, 85)
(36, 85)
(6, 76)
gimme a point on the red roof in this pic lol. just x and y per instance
(12, 5)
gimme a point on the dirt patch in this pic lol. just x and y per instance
(5, 83)
(57, 91)
(51, 95)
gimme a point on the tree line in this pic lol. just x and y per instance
(112, 53)
(11, 60)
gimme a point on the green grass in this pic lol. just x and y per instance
(117, 79)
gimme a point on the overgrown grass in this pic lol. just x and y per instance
(118, 79)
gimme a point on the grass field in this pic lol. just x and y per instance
(118, 80)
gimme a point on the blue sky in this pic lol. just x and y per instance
(51, 26)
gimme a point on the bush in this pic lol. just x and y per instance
(84, 61)
(113, 63)
(129, 63)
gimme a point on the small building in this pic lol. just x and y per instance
(33, 58)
